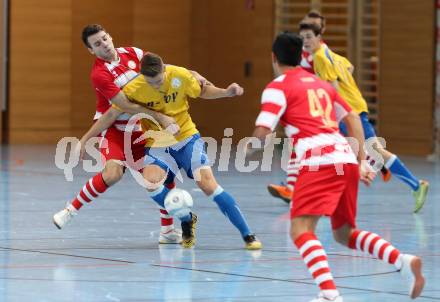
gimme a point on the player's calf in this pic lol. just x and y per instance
(112, 173)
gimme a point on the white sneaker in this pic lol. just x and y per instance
(172, 236)
(63, 217)
(412, 271)
(321, 298)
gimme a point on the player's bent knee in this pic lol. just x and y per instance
(154, 177)
(208, 186)
(112, 173)
(303, 224)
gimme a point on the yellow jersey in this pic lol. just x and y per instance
(331, 67)
(171, 99)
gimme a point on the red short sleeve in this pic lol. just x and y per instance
(103, 82)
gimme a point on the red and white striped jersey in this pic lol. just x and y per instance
(310, 110)
(307, 59)
(108, 78)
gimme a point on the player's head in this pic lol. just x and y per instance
(99, 42)
(315, 17)
(152, 69)
(286, 51)
(311, 35)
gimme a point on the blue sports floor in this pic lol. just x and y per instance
(110, 252)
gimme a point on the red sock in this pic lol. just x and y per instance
(166, 220)
(91, 190)
(374, 245)
(292, 171)
(170, 185)
(315, 258)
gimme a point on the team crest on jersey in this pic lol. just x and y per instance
(131, 64)
(176, 83)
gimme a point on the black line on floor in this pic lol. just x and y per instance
(300, 281)
(128, 281)
(68, 255)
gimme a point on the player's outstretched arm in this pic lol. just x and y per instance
(125, 105)
(103, 123)
(201, 79)
(213, 92)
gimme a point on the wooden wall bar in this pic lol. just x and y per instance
(40, 71)
(164, 27)
(51, 95)
(226, 37)
(407, 75)
(227, 41)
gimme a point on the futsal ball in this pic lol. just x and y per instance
(178, 202)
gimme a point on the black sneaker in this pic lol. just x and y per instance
(189, 232)
(252, 242)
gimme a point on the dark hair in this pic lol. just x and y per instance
(310, 26)
(90, 30)
(287, 48)
(151, 64)
(317, 15)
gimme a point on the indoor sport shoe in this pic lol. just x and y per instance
(64, 216)
(322, 298)
(252, 242)
(172, 236)
(189, 232)
(420, 195)
(412, 271)
(386, 174)
(280, 191)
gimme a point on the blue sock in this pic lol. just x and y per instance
(159, 197)
(230, 209)
(398, 169)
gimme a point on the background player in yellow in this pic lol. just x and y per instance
(284, 190)
(336, 69)
(166, 89)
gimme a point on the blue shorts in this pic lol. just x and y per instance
(189, 154)
(368, 128)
